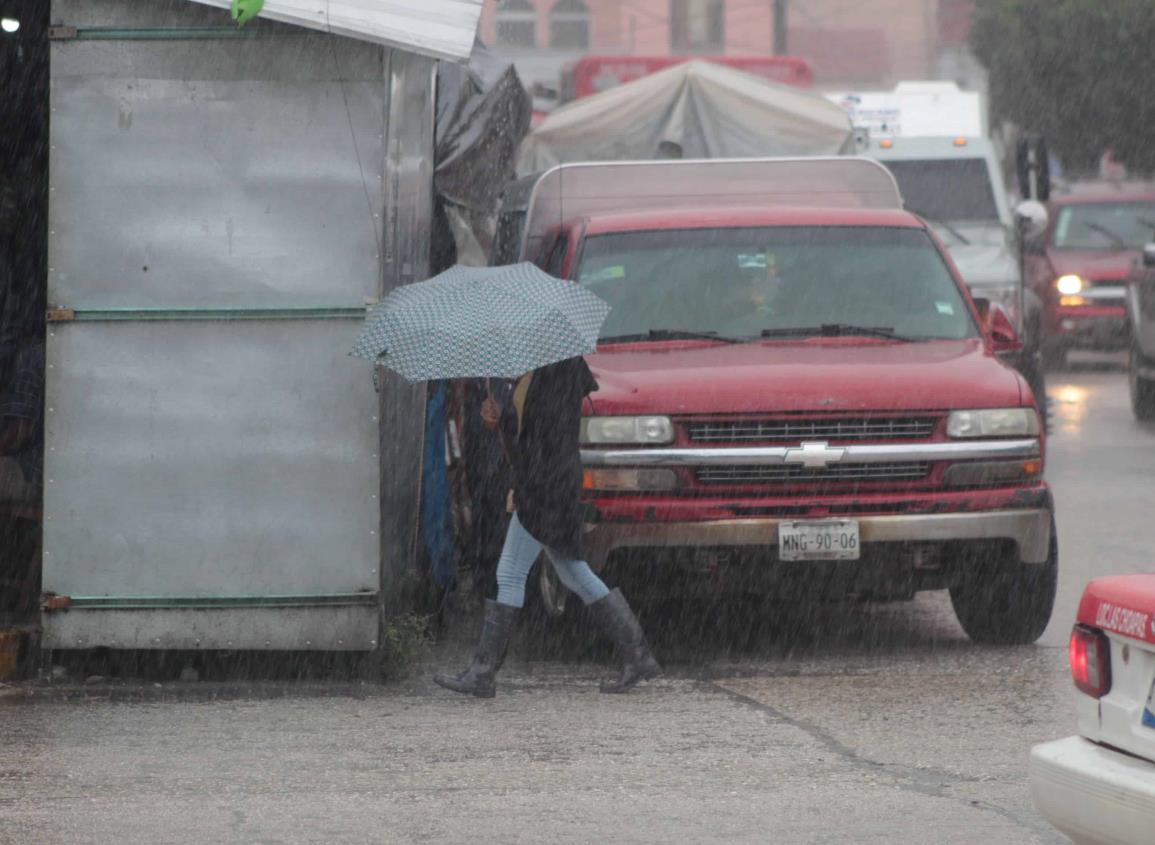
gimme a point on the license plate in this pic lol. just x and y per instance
(831, 539)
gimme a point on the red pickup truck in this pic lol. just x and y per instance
(797, 392)
(1080, 264)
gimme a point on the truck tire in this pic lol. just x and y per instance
(1008, 602)
(554, 593)
(1142, 389)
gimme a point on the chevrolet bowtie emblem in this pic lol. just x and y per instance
(816, 455)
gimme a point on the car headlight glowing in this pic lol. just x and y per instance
(994, 422)
(1070, 284)
(627, 430)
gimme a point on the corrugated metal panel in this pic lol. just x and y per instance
(345, 628)
(205, 459)
(443, 29)
(209, 444)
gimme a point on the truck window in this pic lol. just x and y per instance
(946, 189)
(556, 261)
(740, 281)
(1104, 225)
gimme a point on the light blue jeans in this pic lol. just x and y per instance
(517, 558)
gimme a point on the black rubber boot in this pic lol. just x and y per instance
(615, 618)
(478, 679)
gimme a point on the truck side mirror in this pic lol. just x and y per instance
(1149, 255)
(1032, 218)
(997, 325)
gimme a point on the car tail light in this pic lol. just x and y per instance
(1091, 661)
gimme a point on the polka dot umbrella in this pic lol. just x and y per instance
(477, 322)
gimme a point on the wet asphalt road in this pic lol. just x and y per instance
(879, 724)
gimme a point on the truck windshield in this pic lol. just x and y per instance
(746, 282)
(946, 189)
(1104, 225)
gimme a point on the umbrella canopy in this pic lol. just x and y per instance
(475, 322)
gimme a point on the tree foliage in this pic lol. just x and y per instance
(1079, 72)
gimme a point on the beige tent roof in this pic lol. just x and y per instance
(712, 111)
(443, 29)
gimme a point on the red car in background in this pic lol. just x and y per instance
(1079, 266)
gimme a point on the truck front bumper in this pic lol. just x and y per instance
(1029, 529)
(1099, 326)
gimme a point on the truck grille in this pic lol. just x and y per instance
(780, 474)
(844, 429)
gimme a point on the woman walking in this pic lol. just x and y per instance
(540, 422)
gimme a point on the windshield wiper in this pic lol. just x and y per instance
(1115, 238)
(672, 334)
(955, 233)
(837, 330)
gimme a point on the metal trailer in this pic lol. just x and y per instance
(224, 203)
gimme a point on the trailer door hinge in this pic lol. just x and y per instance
(59, 315)
(61, 33)
(51, 601)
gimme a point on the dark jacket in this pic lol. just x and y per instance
(546, 459)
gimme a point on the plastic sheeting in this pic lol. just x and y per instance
(442, 29)
(708, 110)
(483, 113)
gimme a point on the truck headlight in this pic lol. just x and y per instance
(629, 479)
(994, 422)
(1070, 284)
(627, 430)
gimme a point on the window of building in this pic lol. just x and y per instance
(516, 23)
(569, 25)
(698, 26)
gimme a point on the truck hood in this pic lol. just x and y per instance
(985, 264)
(1093, 264)
(827, 374)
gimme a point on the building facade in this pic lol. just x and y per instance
(848, 43)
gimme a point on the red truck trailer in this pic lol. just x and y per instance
(599, 73)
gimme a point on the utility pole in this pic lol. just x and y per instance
(781, 41)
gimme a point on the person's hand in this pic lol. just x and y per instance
(490, 412)
(509, 502)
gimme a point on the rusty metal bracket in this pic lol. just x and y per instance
(61, 33)
(59, 315)
(51, 601)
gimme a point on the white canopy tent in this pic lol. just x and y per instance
(709, 110)
(442, 29)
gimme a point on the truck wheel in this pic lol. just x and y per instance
(1142, 389)
(1008, 602)
(553, 592)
